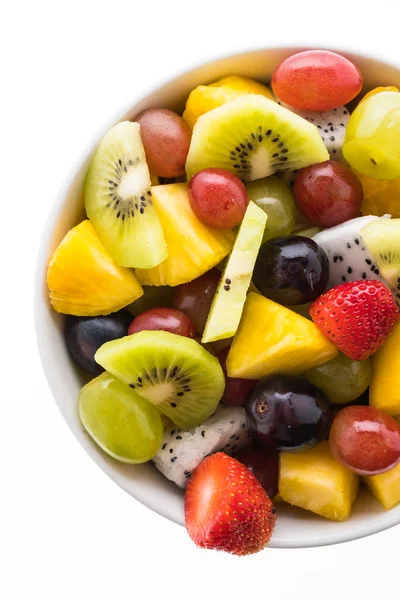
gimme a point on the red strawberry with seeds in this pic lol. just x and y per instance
(226, 508)
(357, 317)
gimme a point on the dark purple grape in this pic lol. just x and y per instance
(291, 270)
(264, 464)
(85, 335)
(288, 413)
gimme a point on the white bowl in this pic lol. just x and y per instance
(295, 528)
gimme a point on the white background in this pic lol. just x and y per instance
(66, 531)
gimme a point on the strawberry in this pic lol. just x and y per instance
(226, 508)
(357, 317)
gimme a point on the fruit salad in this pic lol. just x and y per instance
(233, 297)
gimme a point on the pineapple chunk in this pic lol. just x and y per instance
(84, 280)
(386, 487)
(193, 248)
(315, 481)
(273, 339)
(206, 97)
(384, 391)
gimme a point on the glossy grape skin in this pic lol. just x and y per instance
(365, 439)
(166, 140)
(126, 426)
(328, 194)
(372, 144)
(342, 379)
(218, 198)
(164, 319)
(316, 80)
(291, 270)
(264, 464)
(288, 413)
(85, 335)
(275, 198)
(236, 390)
(195, 298)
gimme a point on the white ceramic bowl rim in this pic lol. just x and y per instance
(372, 518)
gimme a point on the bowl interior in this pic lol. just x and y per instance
(295, 528)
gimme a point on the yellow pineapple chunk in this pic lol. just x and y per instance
(386, 487)
(193, 248)
(83, 279)
(273, 339)
(206, 97)
(384, 390)
(315, 481)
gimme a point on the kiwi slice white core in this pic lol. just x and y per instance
(135, 179)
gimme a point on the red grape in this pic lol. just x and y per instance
(328, 194)
(264, 464)
(365, 439)
(195, 298)
(236, 389)
(218, 198)
(165, 319)
(166, 140)
(316, 80)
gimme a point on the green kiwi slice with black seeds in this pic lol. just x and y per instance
(118, 200)
(175, 373)
(253, 137)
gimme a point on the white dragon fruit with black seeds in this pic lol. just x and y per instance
(349, 259)
(331, 125)
(182, 451)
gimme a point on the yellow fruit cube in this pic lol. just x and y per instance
(386, 487)
(273, 339)
(384, 390)
(315, 481)
(381, 196)
(193, 248)
(84, 280)
(206, 97)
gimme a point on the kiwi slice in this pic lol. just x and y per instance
(174, 373)
(382, 238)
(253, 137)
(226, 309)
(118, 200)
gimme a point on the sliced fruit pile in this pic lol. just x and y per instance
(261, 358)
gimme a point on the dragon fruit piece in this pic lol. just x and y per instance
(332, 128)
(182, 451)
(349, 258)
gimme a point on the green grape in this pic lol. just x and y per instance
(310, 232)
(124, 425)
(275, 198)
(372, 141)
(342, 379)
(153, 297)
